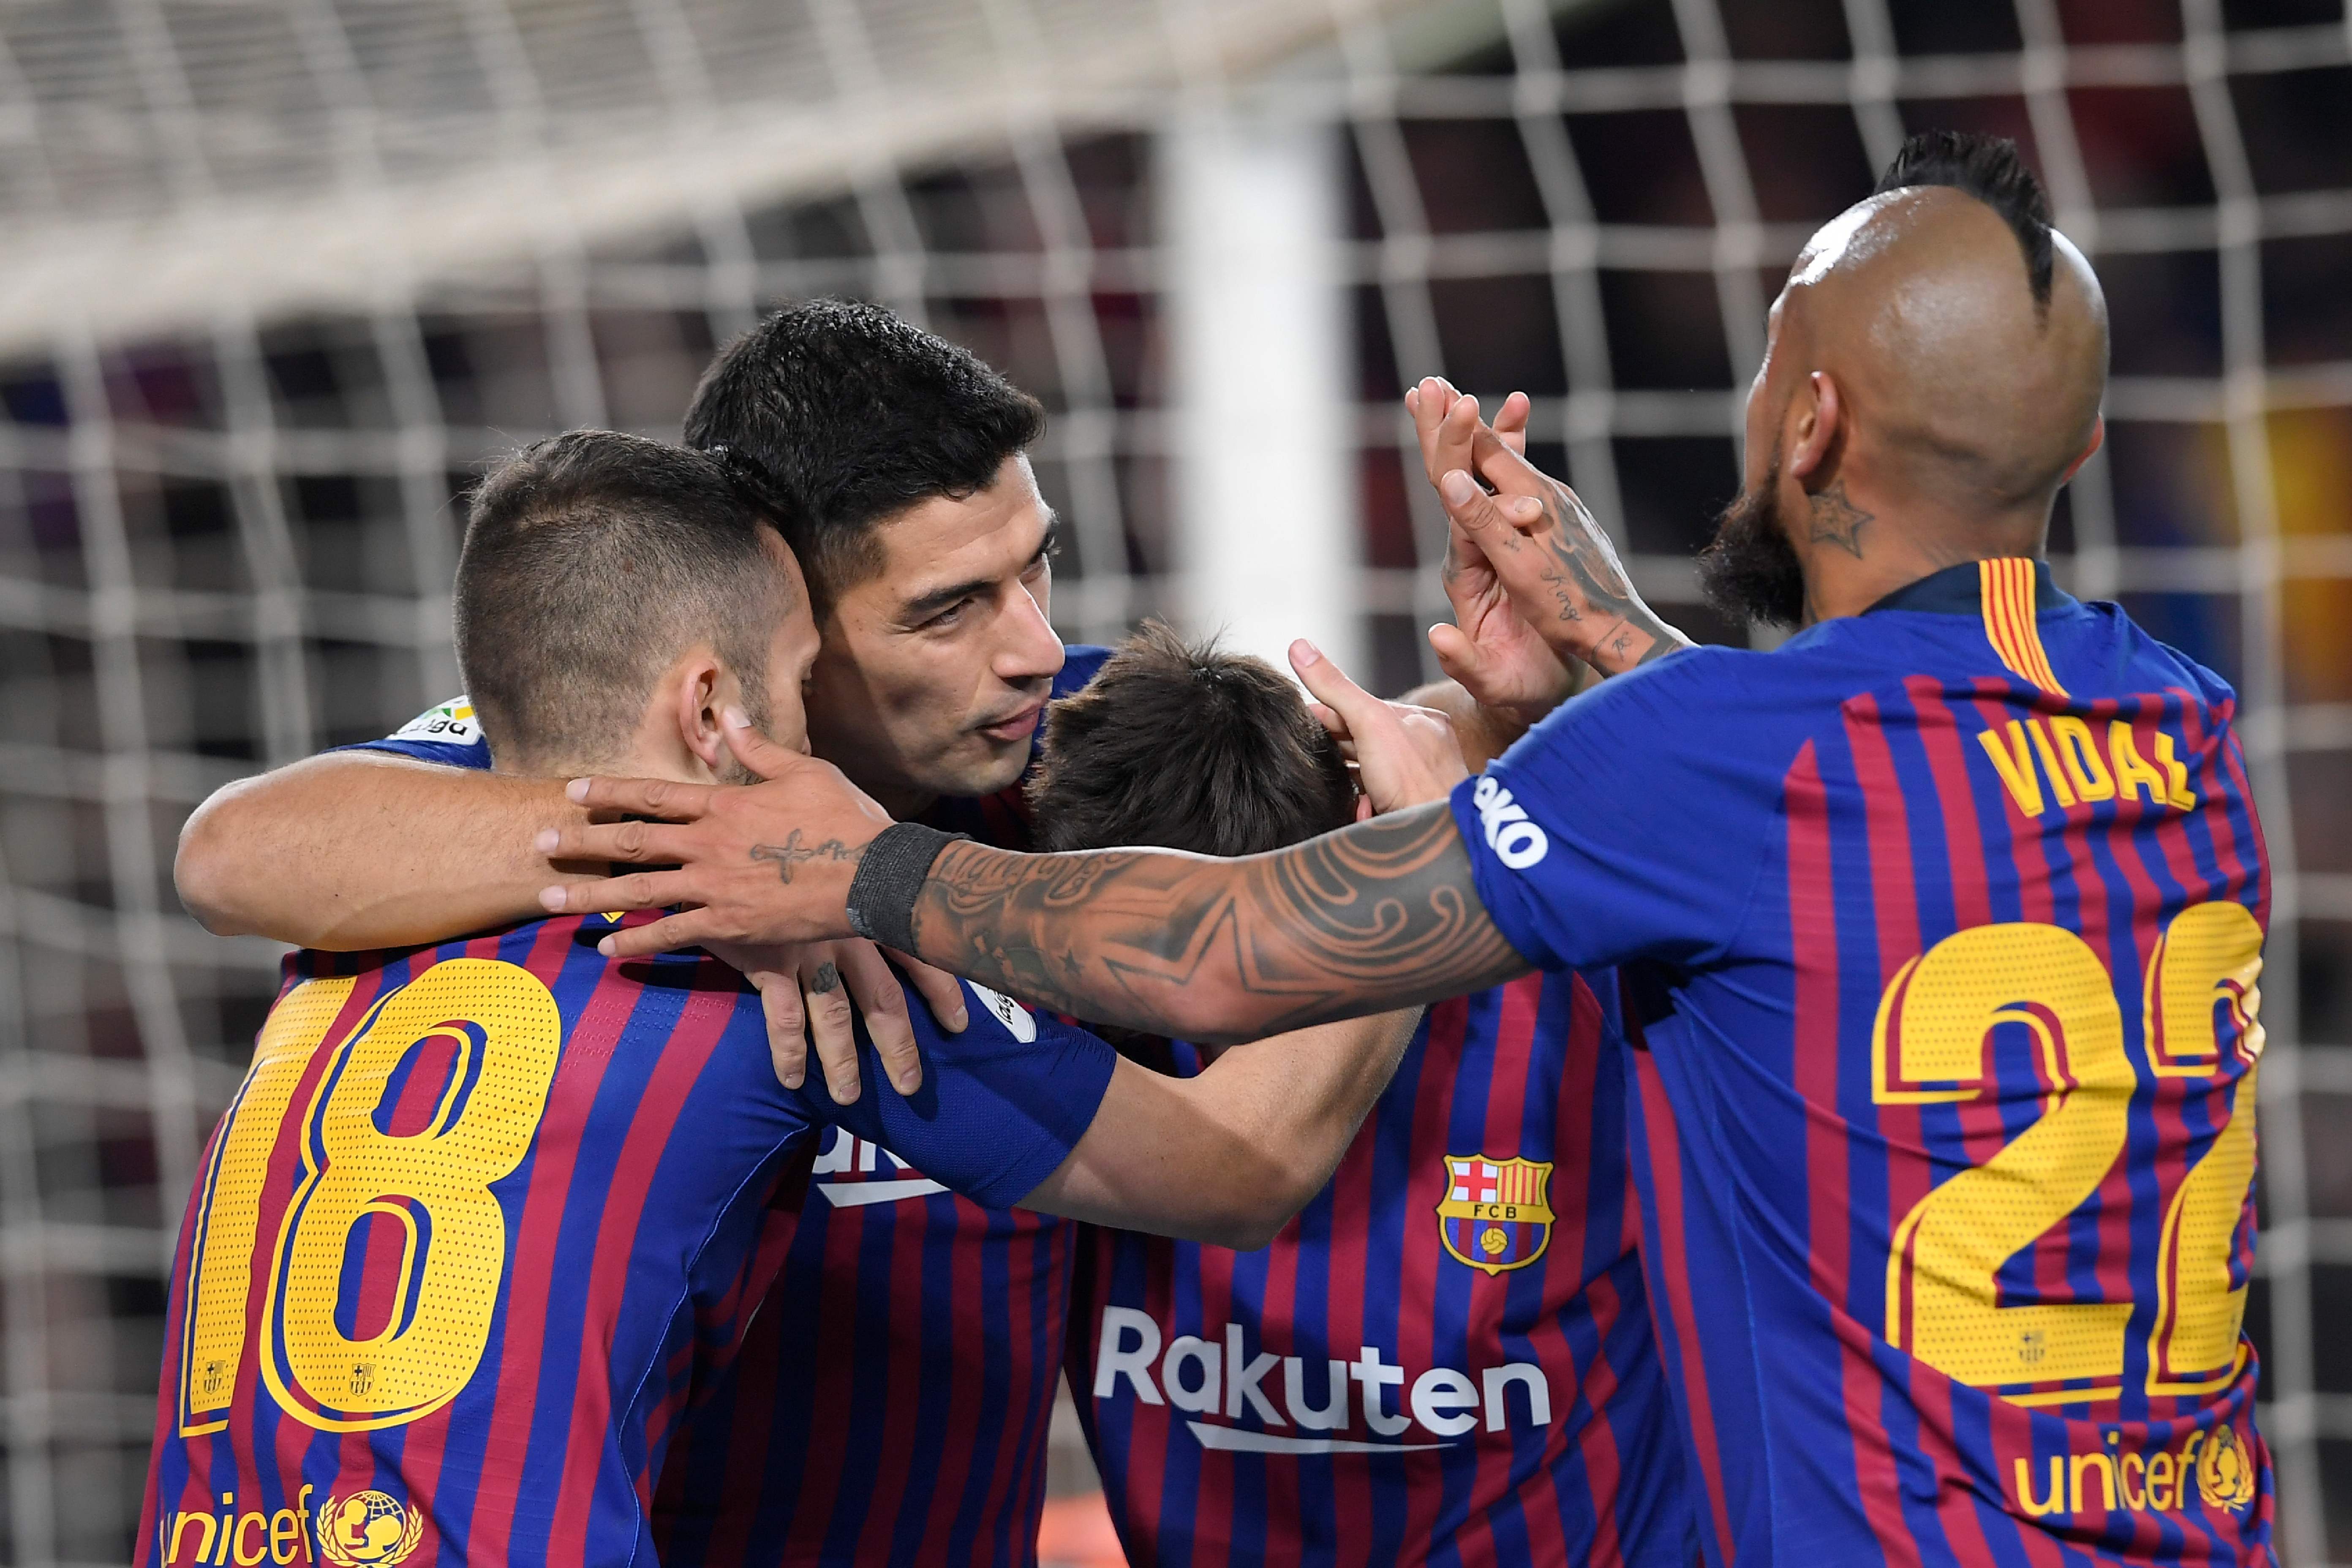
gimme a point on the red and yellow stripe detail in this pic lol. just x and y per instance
(2007, 589)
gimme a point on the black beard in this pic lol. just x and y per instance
(1747, 570)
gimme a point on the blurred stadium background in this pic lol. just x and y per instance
(275, 275)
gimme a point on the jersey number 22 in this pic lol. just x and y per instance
(1932, 1044)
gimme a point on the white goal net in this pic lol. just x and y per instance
(278, 274)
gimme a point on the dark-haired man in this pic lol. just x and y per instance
(1941, 926)
(1447, 1356)
(479, 1208)
(897, 465)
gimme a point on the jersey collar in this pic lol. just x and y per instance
(1960, 591)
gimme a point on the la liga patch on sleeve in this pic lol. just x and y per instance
(452, 723)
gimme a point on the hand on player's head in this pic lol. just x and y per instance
(766, 863)
(1404, 755)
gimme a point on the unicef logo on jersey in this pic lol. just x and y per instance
(1516, 842)
(368, 1527)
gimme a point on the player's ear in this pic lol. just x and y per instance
(704, 690)
(2098, 440)
(1817, 419)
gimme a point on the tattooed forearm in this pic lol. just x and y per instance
(792, 852)
(1381, 915)
(1837, 520)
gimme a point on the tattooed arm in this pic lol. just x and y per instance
(1382, 915)
(1379, 915)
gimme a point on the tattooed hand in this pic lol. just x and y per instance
(764, 863)
(1498, 657)
(1554, 560)
(727, 849)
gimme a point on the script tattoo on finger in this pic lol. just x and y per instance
(1837, 520)
(1379, 915)
(1587, 581)
(826, 979)
(792, 852)
(1584, 574)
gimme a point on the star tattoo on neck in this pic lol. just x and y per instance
(1837, 520)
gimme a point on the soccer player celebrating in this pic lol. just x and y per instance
(456, 1241)
(1447, 1356)
(1942, 921)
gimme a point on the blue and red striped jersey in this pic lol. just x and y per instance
(1446, 1357)
(892, 1399)
(473, 1217)
(1939, 927)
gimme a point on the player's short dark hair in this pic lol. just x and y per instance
(1186, 747)
(1990, 169)
(592, 562)
(839, 416)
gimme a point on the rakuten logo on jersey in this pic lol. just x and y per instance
(1219, 1377)
(851, 1163)
(1516, 842)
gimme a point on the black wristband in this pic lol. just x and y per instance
(890, 879)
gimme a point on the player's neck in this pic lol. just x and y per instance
(905, 802)
(904, 799)
(1847, 574)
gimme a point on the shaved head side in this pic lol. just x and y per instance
(1972, 374)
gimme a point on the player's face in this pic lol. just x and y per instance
(935, 669)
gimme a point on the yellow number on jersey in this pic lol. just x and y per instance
(1929, 1046)
(220, 1266)
(2209, 958)
(506, 1034)
(1934, 1024)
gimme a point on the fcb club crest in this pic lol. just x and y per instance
(1496, 1214)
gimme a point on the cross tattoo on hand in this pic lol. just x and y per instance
(792, 852)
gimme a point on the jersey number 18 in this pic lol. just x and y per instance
(500, 1030)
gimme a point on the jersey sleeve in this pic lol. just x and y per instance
(448, 734)
(1002, 1104)
(1623, 826)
